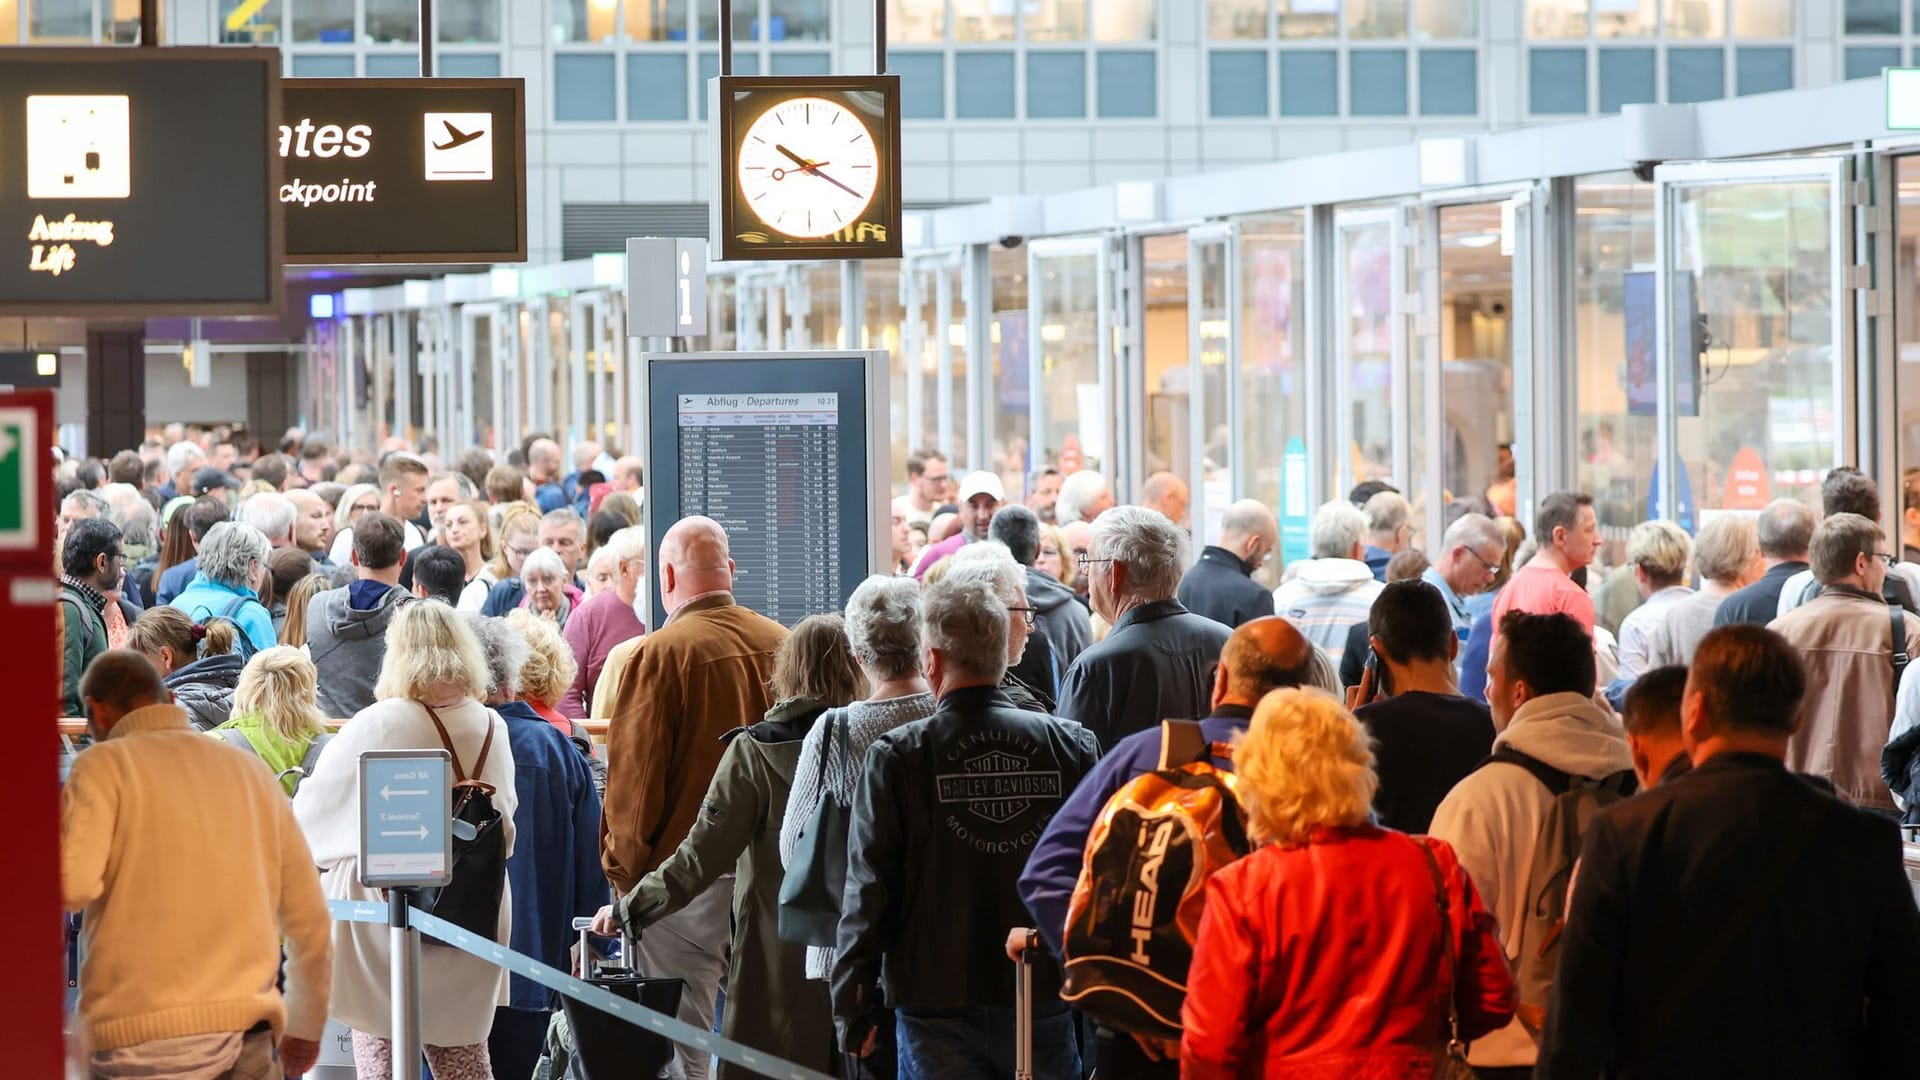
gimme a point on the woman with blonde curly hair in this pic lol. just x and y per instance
(549, 669)
(1336, 945)
(274, 711)
(431, 695)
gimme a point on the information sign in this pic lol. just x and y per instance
(405, 819)
(788, 452)
(404, 170)
(138, 182)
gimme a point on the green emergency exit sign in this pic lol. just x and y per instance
(20, 478)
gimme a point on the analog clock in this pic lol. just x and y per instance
(808, 167)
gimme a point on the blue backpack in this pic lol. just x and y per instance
(242, 644)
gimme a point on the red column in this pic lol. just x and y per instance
(30, 939)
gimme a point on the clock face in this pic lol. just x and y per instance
(808, 167)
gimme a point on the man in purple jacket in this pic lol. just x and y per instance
(1263, 655)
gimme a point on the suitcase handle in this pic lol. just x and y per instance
(583, 925)
(1023, 1009)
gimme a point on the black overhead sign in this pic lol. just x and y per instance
(138, 182)
(404, 170)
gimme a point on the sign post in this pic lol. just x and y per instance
(406, 843)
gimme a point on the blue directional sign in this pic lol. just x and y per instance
(405, 812)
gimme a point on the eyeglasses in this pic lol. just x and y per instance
(1029, 612)
(360, 508)
(1888, 557)
(1491, 567)
(1084, 560)
(522, 552)
(938, 481)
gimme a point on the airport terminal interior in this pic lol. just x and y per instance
(1625, 293)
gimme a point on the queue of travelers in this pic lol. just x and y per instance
(1498, 839)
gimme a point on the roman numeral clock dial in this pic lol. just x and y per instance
(808, 167)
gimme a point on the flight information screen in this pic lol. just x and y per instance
(767, 468)
(776, 449)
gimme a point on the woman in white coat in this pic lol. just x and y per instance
(433, 660)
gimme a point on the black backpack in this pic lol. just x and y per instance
(471, 899)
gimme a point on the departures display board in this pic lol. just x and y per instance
(787, 451)
(137, 182)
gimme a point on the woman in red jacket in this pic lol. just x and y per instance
(1321, 954)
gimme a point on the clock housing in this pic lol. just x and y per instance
(809, 166)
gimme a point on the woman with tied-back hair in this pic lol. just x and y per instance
(197, 661)
(433, 677)
(771, 1004)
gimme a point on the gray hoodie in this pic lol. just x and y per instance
(1494, 815)
(1067, 625)
(347, 646)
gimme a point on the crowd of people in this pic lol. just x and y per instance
(1410, 812)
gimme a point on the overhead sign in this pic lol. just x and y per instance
(1903, 98)
(809, 166)
(132, 182)
(24, 368)
(406, 810)
(404, 170)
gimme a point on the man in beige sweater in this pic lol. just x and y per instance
(186, 858)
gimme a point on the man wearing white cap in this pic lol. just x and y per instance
(980, 496)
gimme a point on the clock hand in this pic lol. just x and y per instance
(813, 168)
(797, 159)
(835, 183)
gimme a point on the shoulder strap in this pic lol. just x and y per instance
(446, 740)
(238, 739)
(311, 758)
(826, 748)
(233, 607)
(1181, 742)
(1446, 939)
(1900, 657)
(1555, 780)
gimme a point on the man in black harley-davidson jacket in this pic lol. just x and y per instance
(945, 817)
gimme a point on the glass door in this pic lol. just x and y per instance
(1213, 371)
(1751, 309)
(1371, 378)
(1164, 378)
(1070, 356)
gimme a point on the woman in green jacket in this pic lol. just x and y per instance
(274, 711)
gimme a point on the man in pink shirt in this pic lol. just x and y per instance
(1568, 534)
(607, 619)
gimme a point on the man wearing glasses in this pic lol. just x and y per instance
(90, 562)
(1846, 635)
(1469, 561)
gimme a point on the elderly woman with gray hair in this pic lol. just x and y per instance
(1157, 662)
(552, 881)
(883, 630)
(231, 572)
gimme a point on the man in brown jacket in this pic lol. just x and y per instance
(670, 696)
(1846, 637)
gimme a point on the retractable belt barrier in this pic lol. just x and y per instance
(365, 911)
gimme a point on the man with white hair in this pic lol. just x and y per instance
(184, 458)
(934, 852)
(608, 618)
(1032, 679)
(1220, 585)
(1333, 590)
(1470, 554)
(1389, 530)
(1084, 495)
(670, 696)
(1157, 662)
(273, 515)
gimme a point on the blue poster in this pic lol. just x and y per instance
(1296, 510)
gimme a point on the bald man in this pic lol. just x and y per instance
(1220, 584)
(1168, 494)
(543, 472)
(1262, 656)
(670, 696)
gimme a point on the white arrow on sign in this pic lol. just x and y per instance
(420, 832)
(390, 792)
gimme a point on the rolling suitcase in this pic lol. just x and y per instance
(603, 1046)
